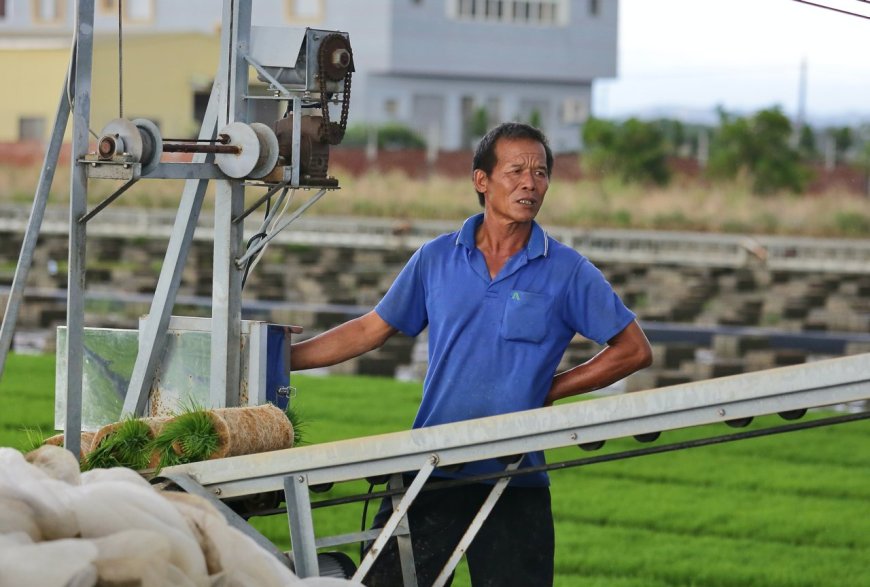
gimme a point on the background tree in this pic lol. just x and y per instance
(535, 118)
(843, 140)
(479, 123)
(759, 147)
(635, 151)
(807, 144)
(392, 135)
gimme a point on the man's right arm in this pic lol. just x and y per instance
(341, 343)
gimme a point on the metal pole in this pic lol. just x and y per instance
(37, 212)
(301, 526)
(226, 296)
(75, 306)
(229, 204)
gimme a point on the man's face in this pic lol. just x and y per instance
(515, 189)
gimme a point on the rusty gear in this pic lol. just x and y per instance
(333, 132)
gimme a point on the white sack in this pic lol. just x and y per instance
(103, 509)
(18, 516)
(56, 462)
(114, 474)
(58, 563)
(244, 563)
(47, 497)
(137, 557)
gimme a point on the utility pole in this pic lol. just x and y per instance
(802, 102)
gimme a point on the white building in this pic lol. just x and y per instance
(429, 64)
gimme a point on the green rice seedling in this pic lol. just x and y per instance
(34, 438)
(297, 420)
(127, 446)
(191, 433)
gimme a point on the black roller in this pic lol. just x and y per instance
(648, 437)
(739, 422)
(590, 446)
(793, 414)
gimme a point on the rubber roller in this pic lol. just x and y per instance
(256, 150)
(137, 139)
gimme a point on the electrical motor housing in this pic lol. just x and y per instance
(313, 153)
(292, 56)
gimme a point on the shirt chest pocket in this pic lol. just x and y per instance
(526, 316)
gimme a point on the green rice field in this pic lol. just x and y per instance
(789, 510)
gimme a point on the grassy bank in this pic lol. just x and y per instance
(782, 511)
(684, 205)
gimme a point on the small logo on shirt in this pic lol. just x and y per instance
(515, 296)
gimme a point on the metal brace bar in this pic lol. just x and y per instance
(339, 539)
(403, 538)
(34, 223)
(189, 485)
(260, 201)
(399, 513)
(240, 262)
(301, 525)
(475, 526)
(99, 207)
(262, 71)
(296, 141)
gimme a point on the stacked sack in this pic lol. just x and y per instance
(110, 527)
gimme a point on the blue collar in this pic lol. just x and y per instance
(538, 245)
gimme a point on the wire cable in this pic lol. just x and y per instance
(120, 59)
(840, 10)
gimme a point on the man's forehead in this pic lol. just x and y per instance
(510, 149)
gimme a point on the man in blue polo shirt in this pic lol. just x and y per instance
(502, 300)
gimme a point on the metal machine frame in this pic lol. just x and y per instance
(227, 105)
(787, 391)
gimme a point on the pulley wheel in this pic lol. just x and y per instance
(268, 150)
(131, 139)
(238, 165)
(152, 144)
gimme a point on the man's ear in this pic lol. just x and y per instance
(480, 180)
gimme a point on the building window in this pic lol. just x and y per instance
(139, 10)
(31, 128)
(594, 8)
(575, 111)
(2, 8)
(48, 11)
(533, 12)
(134, 10)
(391, 107)
(310, 11)
(108, 6)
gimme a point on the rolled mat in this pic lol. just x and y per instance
(251, 429)
(87, 441)
(154, 427)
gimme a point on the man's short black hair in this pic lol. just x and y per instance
(484, 155)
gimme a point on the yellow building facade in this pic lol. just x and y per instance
(166, 78)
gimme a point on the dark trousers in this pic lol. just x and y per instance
(513, 547)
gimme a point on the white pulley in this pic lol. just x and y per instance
(152, 144)
(241, 163)
(137, 139)
(268, 150)
(120, 137)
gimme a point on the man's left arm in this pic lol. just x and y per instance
(624, 354)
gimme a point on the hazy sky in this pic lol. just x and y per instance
(742, 54)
